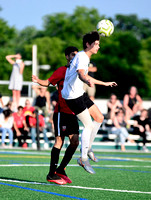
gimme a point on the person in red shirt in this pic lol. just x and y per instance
(28, 110)
(68, 124)
(32, 123)
(20, 128)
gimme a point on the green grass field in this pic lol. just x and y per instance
(118, 176)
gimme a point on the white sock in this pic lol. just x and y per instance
(96, 126)
(85, 118)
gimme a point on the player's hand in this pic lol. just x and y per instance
(34, 79)
(90, 83)
(111, 84)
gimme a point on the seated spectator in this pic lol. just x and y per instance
(141, 125)
(120, 128)
(6, 124)
(28, 111)
(42, 100)
(32, 122)
(91, 72)
(132, 103)
(20, 128)
(113, 106)
(10, 105)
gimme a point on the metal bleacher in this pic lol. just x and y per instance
(104, 140)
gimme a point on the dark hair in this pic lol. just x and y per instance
(20, 107)
(69, 50)
(7, 112)
(90, 38)
(120, 110)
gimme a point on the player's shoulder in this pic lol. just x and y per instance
(61, 69)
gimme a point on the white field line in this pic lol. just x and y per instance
(70, 165)
(76, 187)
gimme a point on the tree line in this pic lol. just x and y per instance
(125, 57)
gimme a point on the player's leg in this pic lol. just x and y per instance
(70, 122)
(74, 141)
(52, 177)
(79, 107)
(85, 118)
(98, 119)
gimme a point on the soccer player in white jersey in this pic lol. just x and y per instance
(79, 102)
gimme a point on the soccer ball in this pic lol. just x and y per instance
(105, 27)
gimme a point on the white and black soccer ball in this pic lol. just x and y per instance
(105, 28)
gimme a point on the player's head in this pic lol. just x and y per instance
(70, 52)
(70, 49)
(90, 38)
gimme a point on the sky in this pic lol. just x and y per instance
(22, 13)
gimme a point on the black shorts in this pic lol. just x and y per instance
(65, 124)
(79, 104)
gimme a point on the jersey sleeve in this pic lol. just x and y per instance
(57, 75)
(82, 62)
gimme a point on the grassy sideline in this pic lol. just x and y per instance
(118, 176)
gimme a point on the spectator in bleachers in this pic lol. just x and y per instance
(9, 105)
(91, 72)
(42, 101)
(6, 124)
(141, 126)
(20, 128)
(132, 103)
(28, 110)
(120, 128)
(113, 106)
(32, 122)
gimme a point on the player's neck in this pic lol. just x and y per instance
(88, 53)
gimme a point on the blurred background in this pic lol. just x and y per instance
(125, 57)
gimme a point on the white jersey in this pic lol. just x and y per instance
(73, 86)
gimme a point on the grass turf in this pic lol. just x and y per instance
(118, 176)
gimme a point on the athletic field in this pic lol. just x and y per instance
(119, 176)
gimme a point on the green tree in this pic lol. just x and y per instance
(140, 27)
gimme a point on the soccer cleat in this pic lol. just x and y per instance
(61, 173)
(68, 180)
(92, 156)
(56, 179)
(86, 165)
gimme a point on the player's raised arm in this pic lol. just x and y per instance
(98, 82)
(85, 78)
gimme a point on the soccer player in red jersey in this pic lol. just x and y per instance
(65, 124)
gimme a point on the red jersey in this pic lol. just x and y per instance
(28, 111)
(32, 121)
(58, 78)
(18, 119)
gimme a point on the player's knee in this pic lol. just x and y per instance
(102, 118)
(58, 142)
(89, 126)
(99, 118)
(75, 143)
